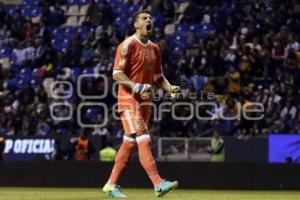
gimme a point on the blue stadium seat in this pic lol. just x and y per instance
(158, 19)
(195, 27)
(62, 131)
(30, 2)
(64, 50)
(12, 10)
(202, 29)
(129, 21)
(91, 113)
(84, 31)
(26, 11)
(115, 2)
(5, 53)
(76, 71)
(83, 2)
(180, 46)
(206, 28)
(180, 39)
(66, 43)
(133, 9)
(121, 23)
(35, 82)
(182, 28)
(192, 27)
(37, 11)
(58, 32)
(74, 2)
(12, 84)
(25, 74)
(88, 70)
(57, 44)
(69, 31)
(121, 10)
(21, 84)
(177, 50)
(15, 68)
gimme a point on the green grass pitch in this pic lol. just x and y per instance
(8, 193)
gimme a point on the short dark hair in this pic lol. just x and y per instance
(135, 16)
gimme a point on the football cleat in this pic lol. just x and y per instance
(164, 187)
(113, 191)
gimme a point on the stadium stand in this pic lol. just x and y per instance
(242, 51)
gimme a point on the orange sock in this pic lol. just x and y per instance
(146, 158)
(121, 160)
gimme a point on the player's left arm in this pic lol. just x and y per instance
(163, 83)
(161, 80)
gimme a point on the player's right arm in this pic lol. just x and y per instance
(122, 78)
(120, 64)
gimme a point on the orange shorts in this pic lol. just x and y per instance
(136, 121)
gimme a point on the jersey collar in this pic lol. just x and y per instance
(139, 41)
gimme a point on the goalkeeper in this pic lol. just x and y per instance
(137, 67)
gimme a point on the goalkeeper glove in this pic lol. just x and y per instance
(144, 90)
(174, 91)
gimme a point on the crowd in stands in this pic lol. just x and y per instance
(239, 51)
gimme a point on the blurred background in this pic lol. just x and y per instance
(235, 51)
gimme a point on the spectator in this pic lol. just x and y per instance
(2, 147)
(19, 54)
(167, 10)
(29, 30)
(30, 53)
(43, 128)
(83, 147)
(197, 81)
(3, 14)
(19, 19)
(107, 15)
(43, 32)
(290, 110)
(94, 16)
(87, 55)
(57, 16)
(15, 31)
(217, 148)
(57, 154)
(46, 14)
(234, 79)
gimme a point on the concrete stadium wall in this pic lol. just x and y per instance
(190, 175)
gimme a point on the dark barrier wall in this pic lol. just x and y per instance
(190, 175)
(41, 148)
(251, 150)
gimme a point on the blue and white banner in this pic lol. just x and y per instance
(28, 149)
(284, 148)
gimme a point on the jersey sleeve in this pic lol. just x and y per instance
(158, 71)
(122, 57)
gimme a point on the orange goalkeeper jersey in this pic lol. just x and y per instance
(141, 63)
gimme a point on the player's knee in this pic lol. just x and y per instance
(144, 137)
(129, 141)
